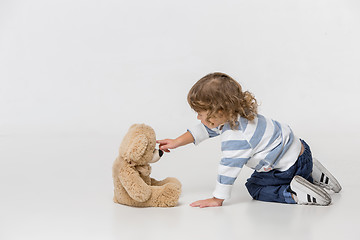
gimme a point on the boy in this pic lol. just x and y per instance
(285, 171)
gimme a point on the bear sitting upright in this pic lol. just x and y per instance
(133, 185)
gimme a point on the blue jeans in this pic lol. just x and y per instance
(273, 186)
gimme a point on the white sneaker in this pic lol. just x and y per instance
(323, 178)
(307, 193)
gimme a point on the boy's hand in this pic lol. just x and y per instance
(167, 144)
(211, 202)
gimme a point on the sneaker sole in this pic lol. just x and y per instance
(337, 188)
(318, 193)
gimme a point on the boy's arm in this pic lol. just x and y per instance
(184, 139)
(230, 167)
(194, 135)
(235, 154)
(200, 133)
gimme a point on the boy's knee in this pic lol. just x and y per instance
(253, 190)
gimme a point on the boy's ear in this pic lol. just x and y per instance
(137, 147)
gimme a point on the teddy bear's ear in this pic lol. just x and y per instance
(137, 147)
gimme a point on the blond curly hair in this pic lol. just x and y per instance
(222, 96)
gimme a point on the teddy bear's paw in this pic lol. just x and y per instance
(169, 196)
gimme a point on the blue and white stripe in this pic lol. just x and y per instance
(262, 144)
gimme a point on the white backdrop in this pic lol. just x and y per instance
(75, 74)
(99, 66)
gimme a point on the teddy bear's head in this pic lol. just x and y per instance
(138, 146)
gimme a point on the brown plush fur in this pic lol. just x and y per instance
(133, 185)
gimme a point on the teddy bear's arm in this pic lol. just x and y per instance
(134, 184)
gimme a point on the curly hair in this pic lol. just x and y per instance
(222, 96)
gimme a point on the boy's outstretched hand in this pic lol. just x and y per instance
(167, 144)
(211, 202)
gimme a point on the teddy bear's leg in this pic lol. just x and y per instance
(165, 196)
(117, 196)
(123, 198)
(155, 182)
(161, 196)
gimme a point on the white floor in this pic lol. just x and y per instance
(61, 188)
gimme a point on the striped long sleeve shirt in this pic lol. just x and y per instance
(261, 144)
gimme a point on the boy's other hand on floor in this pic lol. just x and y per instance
(211, 202)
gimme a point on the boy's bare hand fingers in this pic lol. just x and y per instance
(199, 203)
(211, 202)
(163, 148)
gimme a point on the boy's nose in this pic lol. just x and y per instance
(160, 152)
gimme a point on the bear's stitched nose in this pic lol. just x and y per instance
(160, 152)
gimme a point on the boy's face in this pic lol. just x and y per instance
(213, 122)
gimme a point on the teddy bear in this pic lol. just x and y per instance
(131, 170)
